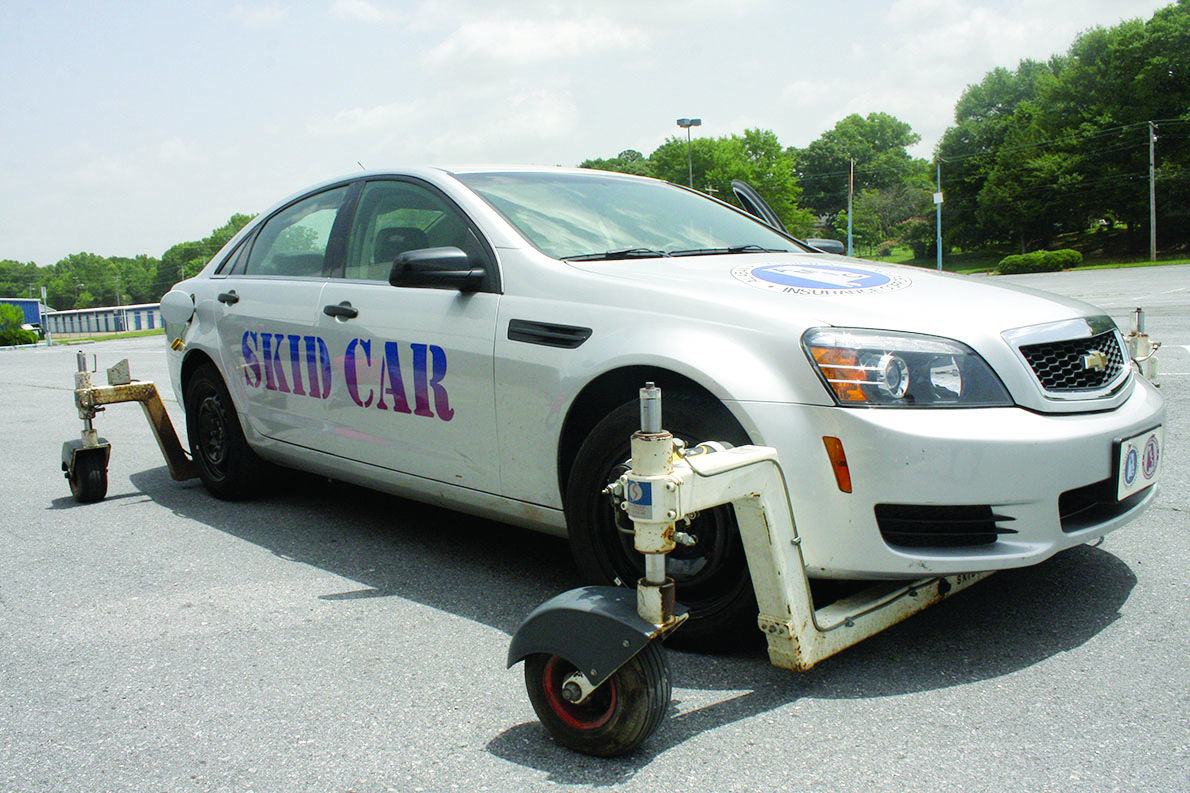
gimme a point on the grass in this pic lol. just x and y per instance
(130, 334)
(986, 261)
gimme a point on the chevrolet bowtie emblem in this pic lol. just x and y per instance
(1094, 359)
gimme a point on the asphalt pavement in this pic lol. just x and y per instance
(325, 638)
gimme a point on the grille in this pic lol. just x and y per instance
(1063, 365)
(931, 526)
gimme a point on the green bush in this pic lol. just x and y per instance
(1040, 262)
(11, 332)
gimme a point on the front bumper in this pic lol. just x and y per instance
(1015, 461)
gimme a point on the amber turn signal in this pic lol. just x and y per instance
(834, 450)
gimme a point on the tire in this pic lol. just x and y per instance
(618, 716)
(88, 482)
(712, 576)
(228, 467)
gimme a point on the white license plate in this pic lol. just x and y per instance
(1139, 461)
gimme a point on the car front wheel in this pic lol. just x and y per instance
(710, 569)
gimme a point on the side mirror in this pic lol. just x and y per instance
(829, 246)
(437, 268)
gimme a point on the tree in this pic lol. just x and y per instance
(985, 117)
(185, 259)
(627, 161)
(1062, 146)
(881, 214)
(877, 143)
(756, 157)
(18, 279)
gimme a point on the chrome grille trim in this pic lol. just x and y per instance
(1063, 357)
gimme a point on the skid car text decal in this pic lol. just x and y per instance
(371, 371)
(820, 279)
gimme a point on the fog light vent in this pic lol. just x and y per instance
(940, 526)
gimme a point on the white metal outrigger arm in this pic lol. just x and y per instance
(1141, 348)
(668, 482)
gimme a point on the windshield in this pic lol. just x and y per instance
(601, 216)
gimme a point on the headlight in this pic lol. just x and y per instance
(873, 368)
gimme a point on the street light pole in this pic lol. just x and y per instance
(686, 124)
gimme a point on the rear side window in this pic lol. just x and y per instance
(293, 242)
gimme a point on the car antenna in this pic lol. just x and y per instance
(361, 165)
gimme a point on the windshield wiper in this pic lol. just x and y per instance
(623, 253)
(732, 249)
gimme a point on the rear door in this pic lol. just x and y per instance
(276, 367)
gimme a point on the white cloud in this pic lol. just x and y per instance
(359, 120)
(175, 150)
(258, 16)
(529, 40)
(444, 128)
(364, 11)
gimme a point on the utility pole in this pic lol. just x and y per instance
(119, 306)
(938, 211)
(1152, 192)
(850, 192)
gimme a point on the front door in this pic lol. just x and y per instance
(417, 392)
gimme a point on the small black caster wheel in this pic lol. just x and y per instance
(617, 716)
(88, 480)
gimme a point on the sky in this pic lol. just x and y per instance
(128, 127)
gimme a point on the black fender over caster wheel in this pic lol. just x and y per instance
(88, 479)
(616, 718)
(710, 568)
(228, 467)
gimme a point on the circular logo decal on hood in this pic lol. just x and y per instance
(820, 279)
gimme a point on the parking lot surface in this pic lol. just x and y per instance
(324, 638)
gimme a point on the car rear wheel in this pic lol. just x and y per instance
(711, 573)
(226, 464)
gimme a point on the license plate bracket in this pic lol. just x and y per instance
(1138, 461)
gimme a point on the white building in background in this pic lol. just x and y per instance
(104, 319)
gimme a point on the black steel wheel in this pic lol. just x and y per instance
(617, 717)
(711, 574)
(226, 464)
(88, 480)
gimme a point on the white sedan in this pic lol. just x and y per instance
(475, 338)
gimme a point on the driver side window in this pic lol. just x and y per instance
(395, 217)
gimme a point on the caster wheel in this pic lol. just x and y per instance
(617, 716)
(88, 481)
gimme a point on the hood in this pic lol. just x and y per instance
(808, 290)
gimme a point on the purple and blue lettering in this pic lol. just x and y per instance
(390, 379)
(349, 372)
(251, 364)
(274, 373)
(423, 384)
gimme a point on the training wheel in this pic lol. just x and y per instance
(88, 478)
(613, 719)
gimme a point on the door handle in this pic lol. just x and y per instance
(343, 310)
(228, 298)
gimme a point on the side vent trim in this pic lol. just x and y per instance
(547, 334)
